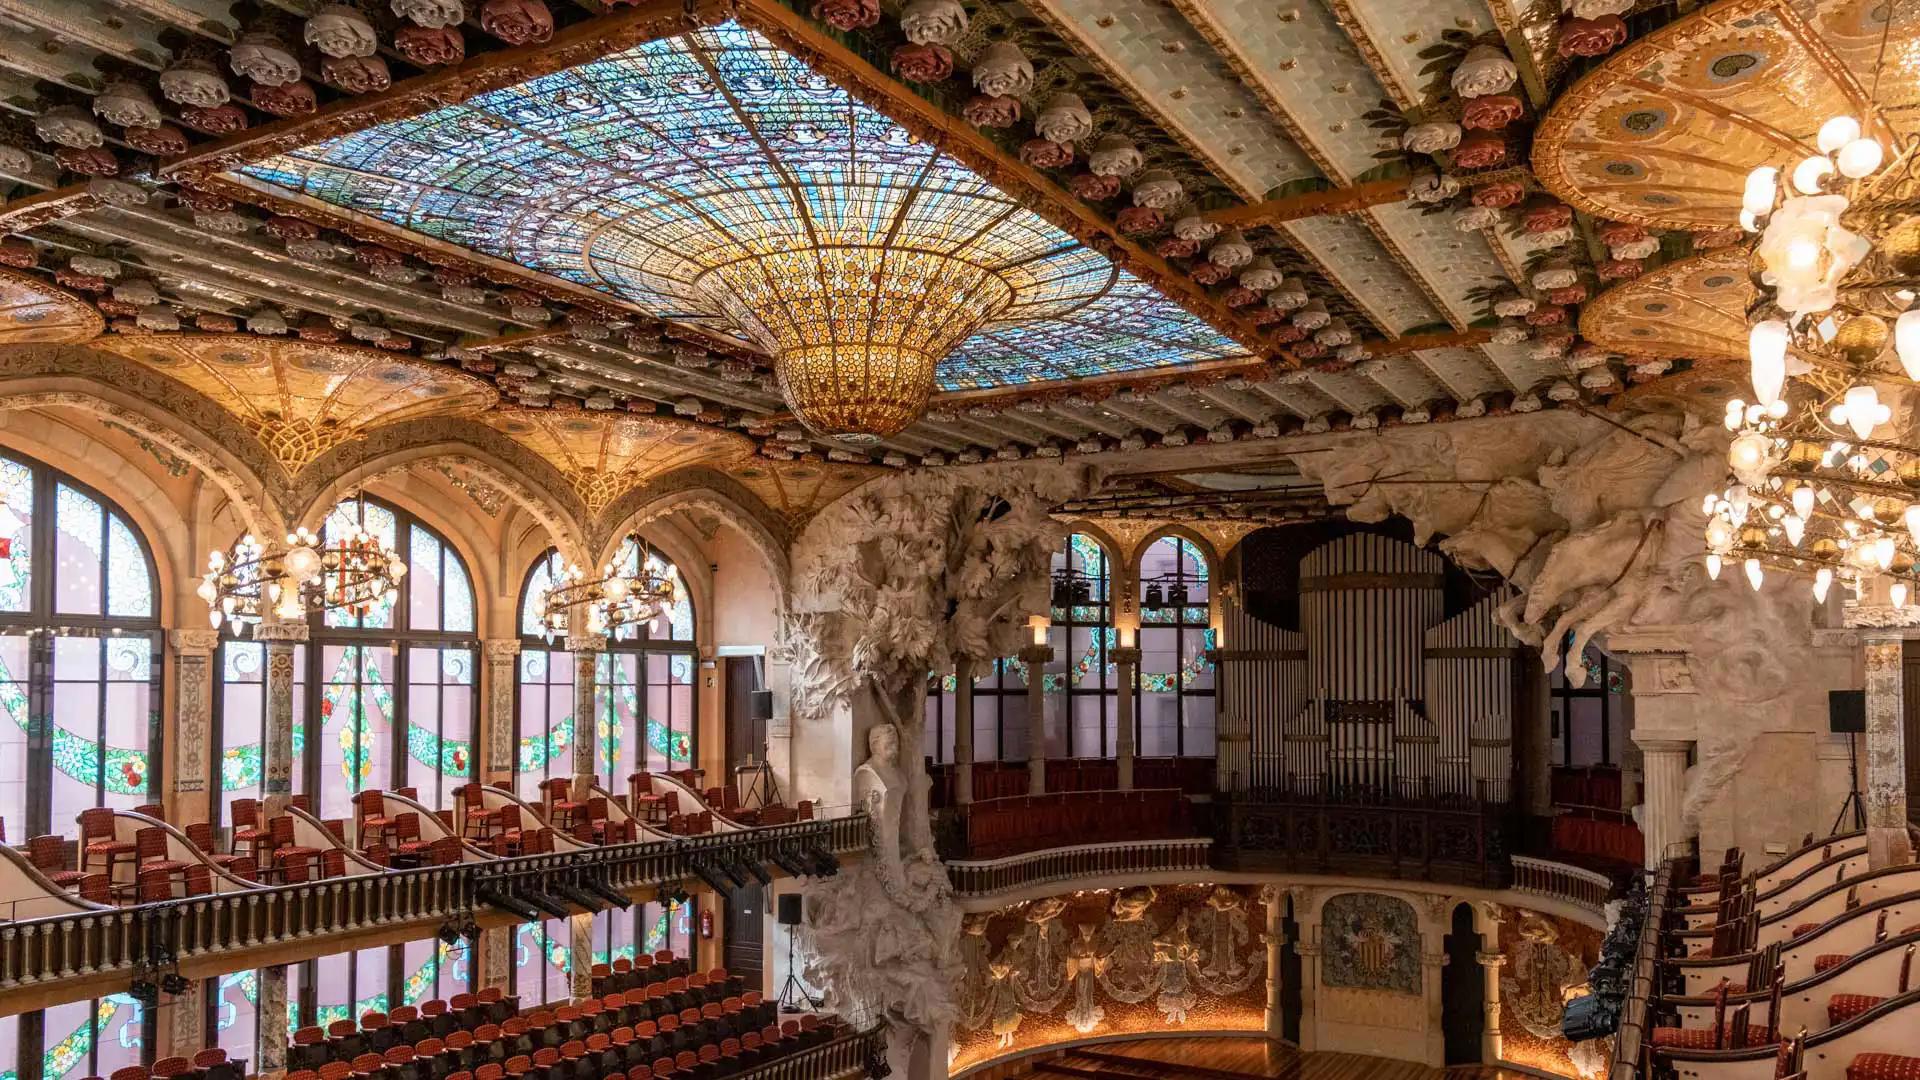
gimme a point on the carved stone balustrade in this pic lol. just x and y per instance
(1130, 859)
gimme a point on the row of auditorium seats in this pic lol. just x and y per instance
(1808, 963)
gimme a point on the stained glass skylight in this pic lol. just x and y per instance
(652, 173)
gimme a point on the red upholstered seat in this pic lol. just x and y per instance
(1830, 960)
(1883, 1067)
(1844, 1007)
(1702, 1038)
(1805, 928)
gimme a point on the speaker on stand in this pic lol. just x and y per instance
(755, 780)
(793, 995)
(1847, 715)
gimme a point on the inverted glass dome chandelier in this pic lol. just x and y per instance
(1823, 483)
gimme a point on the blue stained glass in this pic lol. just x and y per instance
(381, 522)
(457, 612)
(639, 174)
(129, 584)
(538, 584)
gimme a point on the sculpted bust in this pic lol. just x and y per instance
(878, 788)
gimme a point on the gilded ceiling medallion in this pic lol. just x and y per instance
(302, 399)
(34, 312)
(1664, 132)
(1692, 309)
(604, 455)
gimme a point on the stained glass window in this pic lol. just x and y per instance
(1175, 678)
(384, 700)
(647, 173)
(96, 670)
(644, 688)
(542, 951)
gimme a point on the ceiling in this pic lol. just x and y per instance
(1242, 194)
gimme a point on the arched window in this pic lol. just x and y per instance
(1080, 680)
(80, 639)
(381, 700)
(644, 687)
(1175, 678)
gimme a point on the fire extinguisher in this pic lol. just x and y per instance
(706, 926)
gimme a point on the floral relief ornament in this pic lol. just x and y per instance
(69, 126)
(1432, 137)
(1003, 71)
(196, 82)
(127, 104)
(339, 30)
(922, 63)
(264, 59)
(933, 22)
(432, 14)
(1064, 119)
(1486, 70)
(1115, 156)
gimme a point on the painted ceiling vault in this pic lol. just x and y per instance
(1218, 222)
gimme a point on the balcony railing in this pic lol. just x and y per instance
(1633, 1041)
(113, 942)
(1126, 858)
(998, 828)
(1557, 881)
(856, 1053)
(1452, 839)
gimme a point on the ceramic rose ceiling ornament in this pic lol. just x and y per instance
(264, 58)
(1231, 251)
(1115, 156)
(1432, 137)
(1158, 190)
(1433, 187)
(1261, 275)
(194, 82)
(127, 104)
(432, 14)
(1064, 119)
(69, 126)
(1313, 316)
(1475, 218)
(1003, 71)
(933, 22)
(1486, 70)
(341, 31)
(1289, 295)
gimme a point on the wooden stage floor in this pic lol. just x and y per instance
(1237, 1059)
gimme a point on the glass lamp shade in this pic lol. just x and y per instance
(855, 330)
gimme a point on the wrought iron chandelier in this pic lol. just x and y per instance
(1822, 483)
(351, 571)
(617, 598)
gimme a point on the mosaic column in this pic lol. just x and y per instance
(1491, 1045)
(580, 955)
(187, 1034)
(270, 1019)
(502, 655)
(1036, 657)
(1663, 765)
(1886, 782)
(192, 652)
(586, 649)
(1125, 660)
(496, 956)
(962, 731)
(277, 753)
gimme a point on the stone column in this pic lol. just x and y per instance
(586, 650)
(1664, 790)
(192, 652)
(1276, 902)
(1666, 724)
(187, 1032)
(1885, 789)
(962, 731)
(502, 656)
(277, 762)
(1309, 951)
(1036, 657)
(1125, 659)
(1491, 1045)
(1433, 968)
(269, 1028)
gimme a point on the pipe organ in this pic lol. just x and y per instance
(1380, 695)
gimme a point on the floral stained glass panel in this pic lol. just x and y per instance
(16, 529)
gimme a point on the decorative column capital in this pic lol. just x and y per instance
(1663, 746)
(577, 643)
(501, 649)
(1490, 959)
(1036, 654)
(1125, 654)
(197, 640)
(1886, 619)
(1305, 949)
(1434, 959)
(279, 630)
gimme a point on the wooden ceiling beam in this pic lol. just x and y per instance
(1338, 200)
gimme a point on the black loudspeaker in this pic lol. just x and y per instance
(789, 914)
(760, 705)
(1846, 711)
